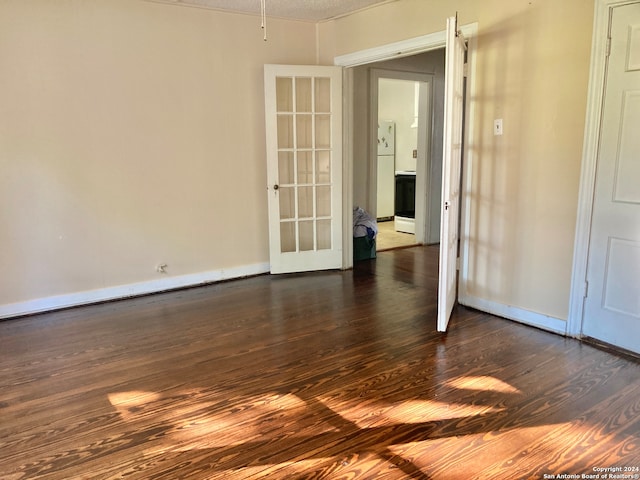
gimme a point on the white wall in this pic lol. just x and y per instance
(131, 134)
(396, 103)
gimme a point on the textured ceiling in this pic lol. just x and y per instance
(309, 10)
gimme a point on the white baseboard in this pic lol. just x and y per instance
(545, 322)
(131, 290)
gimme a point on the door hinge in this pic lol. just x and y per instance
(586, 288)
(465, 70)
(457, 263)
(608, 49)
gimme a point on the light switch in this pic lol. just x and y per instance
(497, 126)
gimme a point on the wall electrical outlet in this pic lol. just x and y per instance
(497, 126)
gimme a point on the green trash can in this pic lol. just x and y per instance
(364, 248)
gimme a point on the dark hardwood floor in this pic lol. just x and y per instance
(337, 375)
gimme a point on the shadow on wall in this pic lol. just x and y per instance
(493, 193)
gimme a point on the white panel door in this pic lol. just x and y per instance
(303, 110)
(451, 166)
(612, 306)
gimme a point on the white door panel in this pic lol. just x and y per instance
(612, 306)
(303, 112)
(451, 166)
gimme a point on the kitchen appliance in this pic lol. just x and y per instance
(386, 169)
(405, 201)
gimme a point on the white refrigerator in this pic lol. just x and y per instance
(386, 170)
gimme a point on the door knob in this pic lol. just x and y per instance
(276, 187)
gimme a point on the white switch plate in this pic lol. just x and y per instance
(497, 126)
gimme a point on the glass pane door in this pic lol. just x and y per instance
(304, 162)
(303, 119)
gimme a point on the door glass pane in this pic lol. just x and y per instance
(304, 137)
(305, 167)
(284, 94)
(305, 202)
(285, 131)
(323, 208)
(285, 168)
(323, 131)
(303, 95)
(306, 235)
(287, 202)
(323, 94)
(323, 167)
(287, 237)
(323, 228)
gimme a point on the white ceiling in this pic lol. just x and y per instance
(309, 10)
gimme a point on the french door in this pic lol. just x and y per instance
(451, 167)
(303, 109)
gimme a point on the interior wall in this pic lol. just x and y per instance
(361, 145)
(132, 134)
(396, 100)
(532, 72)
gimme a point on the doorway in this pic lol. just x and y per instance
(400, 108)
(353, 171)
(416, 81)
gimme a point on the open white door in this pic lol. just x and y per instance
(451, 166)
(303, 109)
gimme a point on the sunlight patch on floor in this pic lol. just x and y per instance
(482, 383)
(293, 469)
(496, 457)
(376, 414)
(129, 403)
(212, 421)
(197, 422)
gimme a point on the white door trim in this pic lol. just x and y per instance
(390, 51)
(347, 168)
(589, 160)
(404, 48)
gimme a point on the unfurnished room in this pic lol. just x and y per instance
(319, 239)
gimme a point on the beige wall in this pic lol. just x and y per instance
(131, 133)
(532, 71)
(396, 103)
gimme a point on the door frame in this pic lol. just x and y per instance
(590, 148)
(405, 48)
(423, 164)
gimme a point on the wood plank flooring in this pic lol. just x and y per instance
(332, 375)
